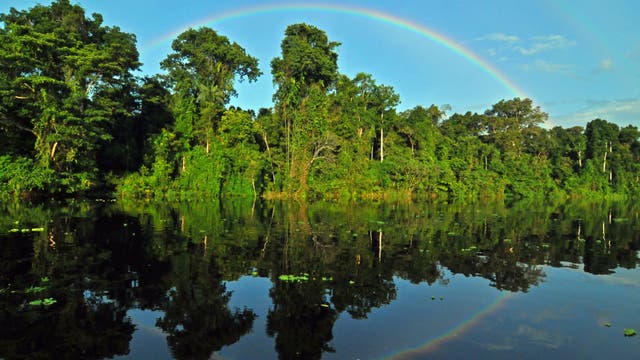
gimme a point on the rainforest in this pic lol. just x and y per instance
(77, 119)
(144, 216)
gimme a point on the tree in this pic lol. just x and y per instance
(602, 138)
(238, 133)
(385, 99)
(61, 76)
(303, 75)
(508, 121)
(308, 57)
(418, 126)
(201, 71)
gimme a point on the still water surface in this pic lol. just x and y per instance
(244, 280)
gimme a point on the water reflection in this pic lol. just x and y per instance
(98, 261)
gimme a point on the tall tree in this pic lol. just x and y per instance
(303, 74)
(602, 139)
(508, 122)
(61, 71)
(202, 70)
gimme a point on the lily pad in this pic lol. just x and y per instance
(629, 332)
(292, 278)
(43, 302)
(35, 289)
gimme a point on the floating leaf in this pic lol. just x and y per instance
(35, 289)
(607, 324)
(629, 332)
(290, 277)
(45, 302)
(49, 301)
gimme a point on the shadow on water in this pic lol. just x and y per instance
(97, 261)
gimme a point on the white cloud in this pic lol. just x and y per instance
(527, 47)
(623, 112)
(500, 37)
(605, 65)
(545, 43)
(545, 66)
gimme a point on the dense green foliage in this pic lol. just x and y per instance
(73, 119)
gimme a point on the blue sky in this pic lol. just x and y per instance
(578, 60)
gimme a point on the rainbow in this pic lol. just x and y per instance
(460, 329)
(366, 13)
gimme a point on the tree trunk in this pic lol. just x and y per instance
(53, 150)
(255, 193)
(412, 147)
(381, 144)
(382, 137)
(580, 159)
(380, 246)
(266, 141)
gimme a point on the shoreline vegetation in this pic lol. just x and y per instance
(75, 121)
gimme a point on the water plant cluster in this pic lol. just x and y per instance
(304, 277)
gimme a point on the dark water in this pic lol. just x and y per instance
(92, 280)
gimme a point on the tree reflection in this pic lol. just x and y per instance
(196, 318)
(301, 320)
(102, 261)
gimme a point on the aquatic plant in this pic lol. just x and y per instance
(35, 289)
(292, 278)
(629, 332)
(43, 302)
